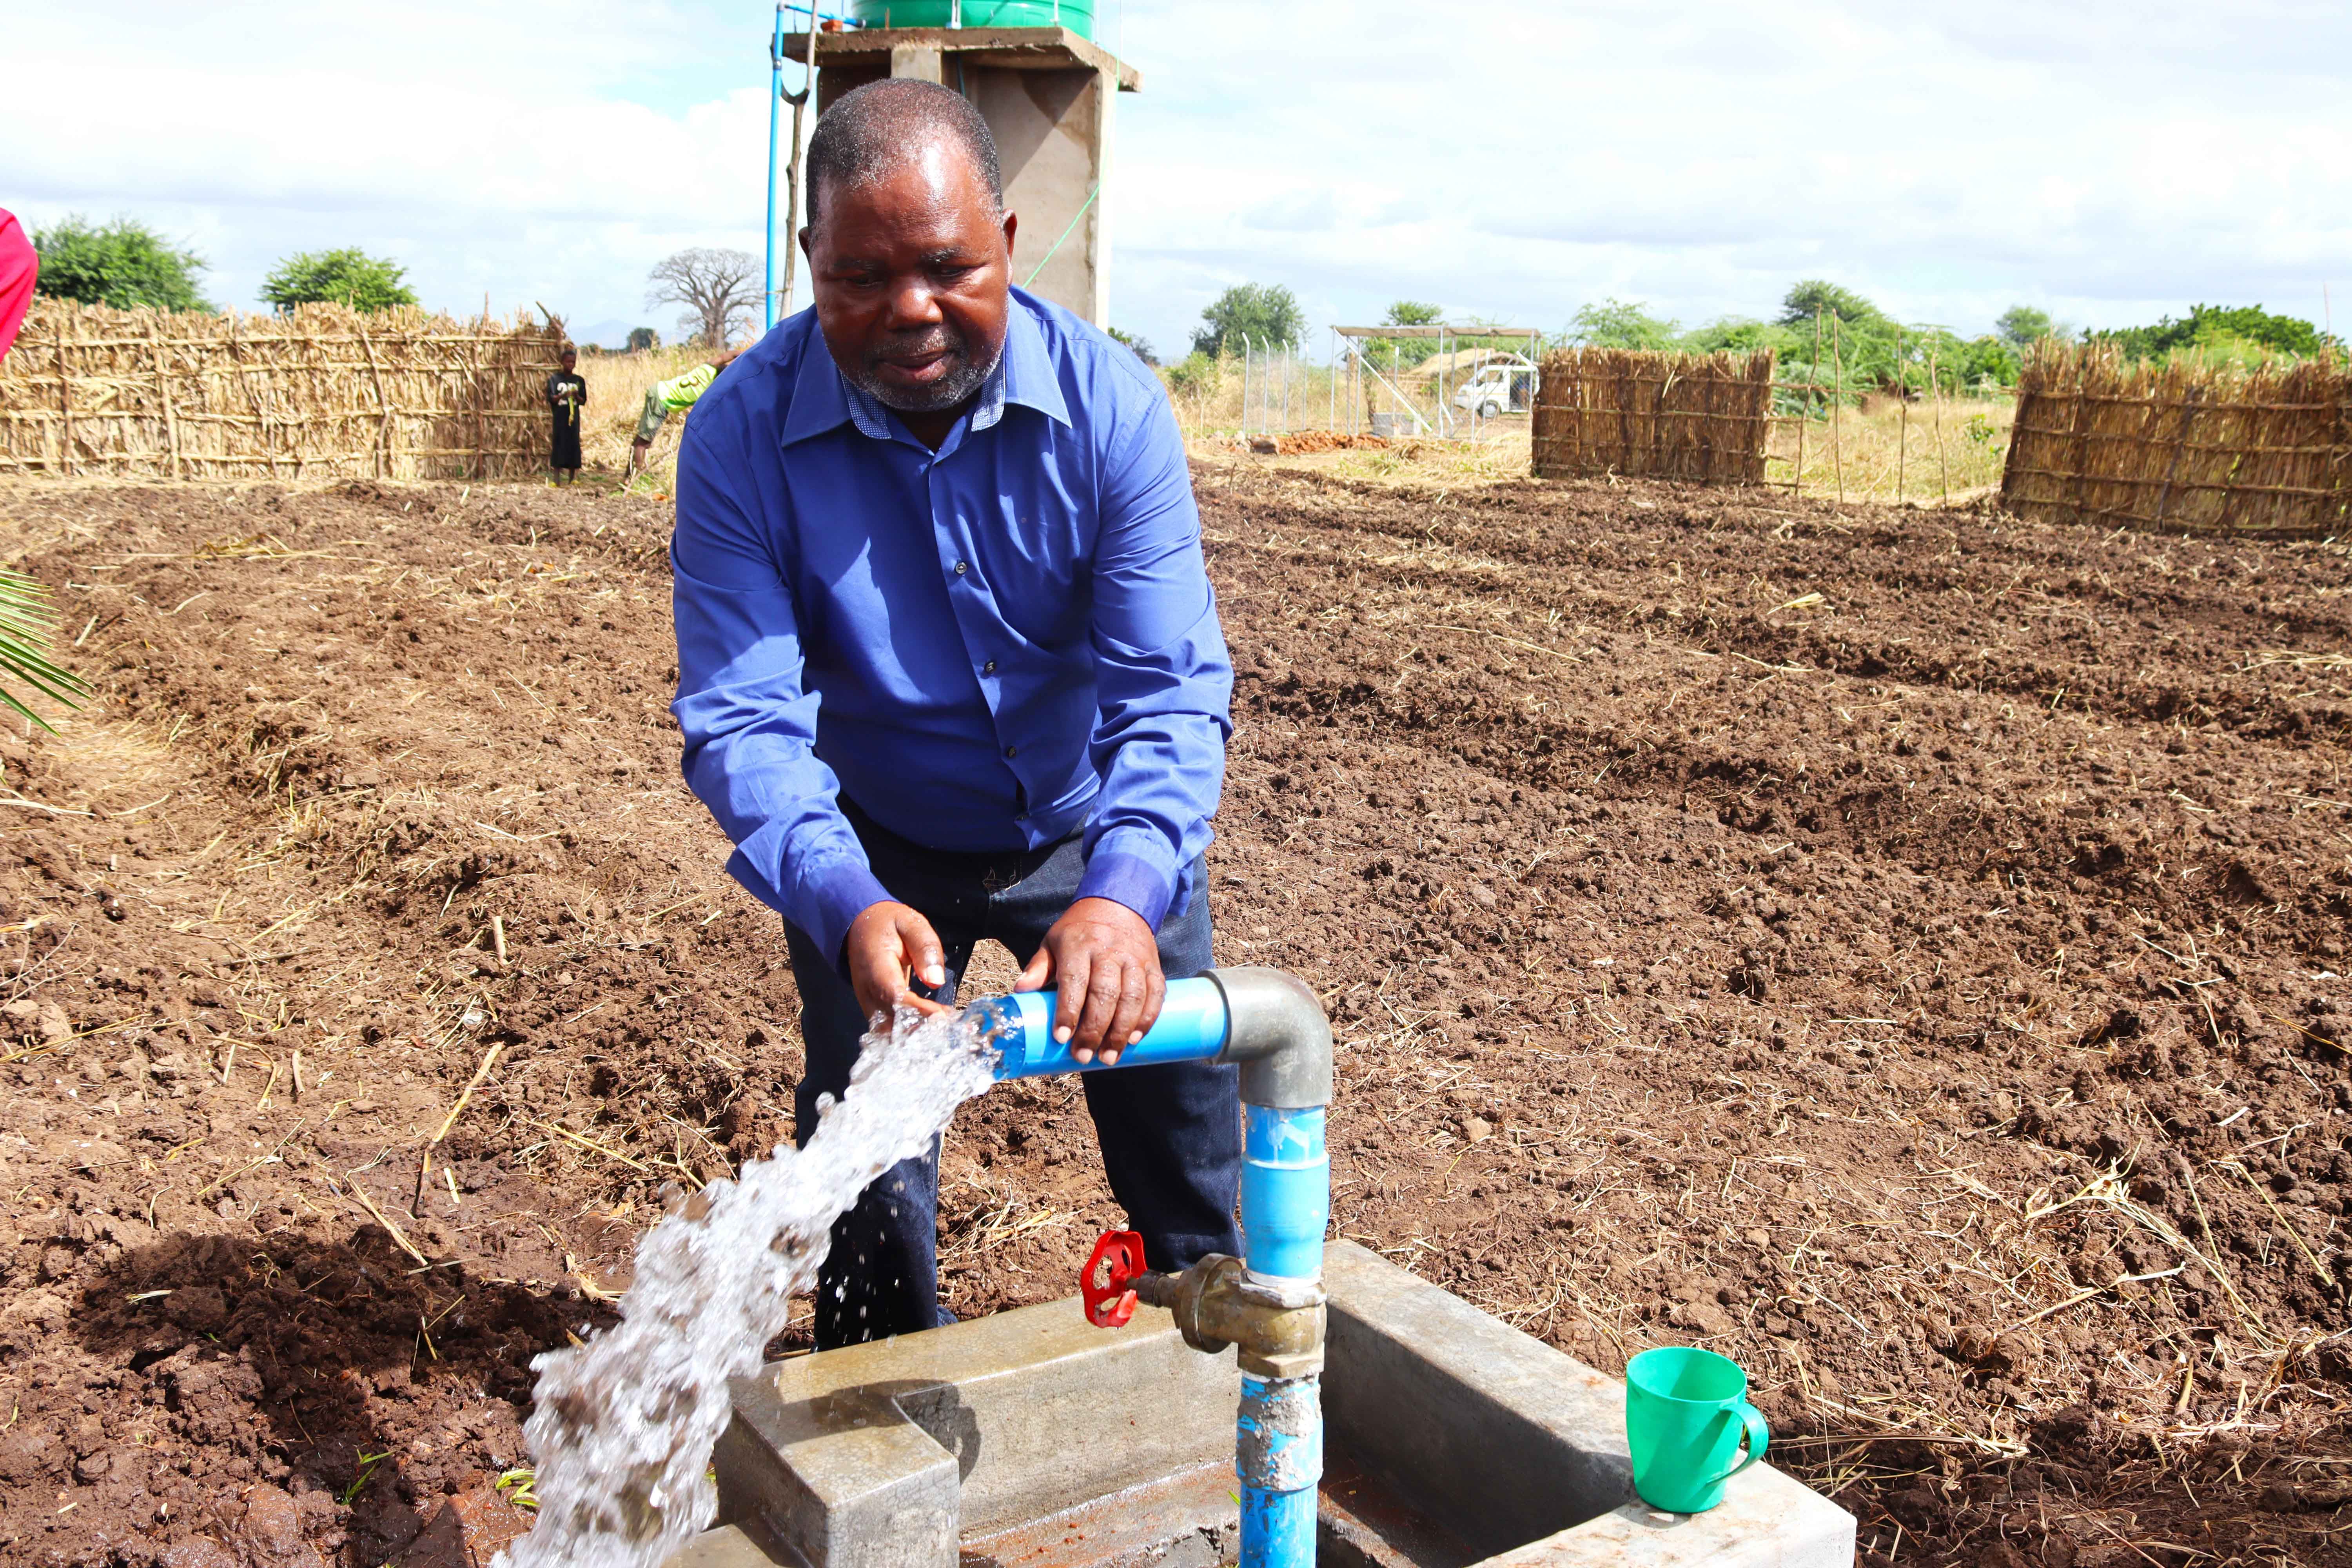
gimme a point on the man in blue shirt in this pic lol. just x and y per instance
(950, 667)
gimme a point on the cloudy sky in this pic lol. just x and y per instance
(2108, 161)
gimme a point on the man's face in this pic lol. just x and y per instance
(909, 273)
(570, 359)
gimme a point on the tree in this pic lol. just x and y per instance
(643, 338)
(2229, 331)
(718, 288)
(1268, 316)
(124, 264)
(1412, 314)
(1739, 334)
(346, 276)
(1620, 324)
(2021, 325)
(1137, 344)
(1814, 296)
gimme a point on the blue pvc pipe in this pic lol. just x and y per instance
(1278, 1448)
(1285, 1190)
(1285, 1207)
(1191, 1027)
(775, 113)
(1278, 1440)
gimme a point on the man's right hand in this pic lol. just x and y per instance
(889, 944)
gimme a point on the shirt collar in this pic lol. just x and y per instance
(823, 398)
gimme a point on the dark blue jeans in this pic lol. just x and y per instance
(1171, 1135)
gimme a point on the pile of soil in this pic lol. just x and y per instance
(1902, 950)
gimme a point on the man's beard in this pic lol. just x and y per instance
(946, 392)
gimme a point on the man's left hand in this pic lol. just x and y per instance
(1106, 962)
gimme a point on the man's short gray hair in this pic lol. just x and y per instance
(873, 130)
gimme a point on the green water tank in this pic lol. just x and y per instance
(1078, 16)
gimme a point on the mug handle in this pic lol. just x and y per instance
(1757, 1438)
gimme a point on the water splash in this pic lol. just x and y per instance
(623, 1425)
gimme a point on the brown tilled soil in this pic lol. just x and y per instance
(1900, 949)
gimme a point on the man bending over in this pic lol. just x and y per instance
(664, 398)
(950, 667)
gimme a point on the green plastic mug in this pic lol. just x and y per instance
(1685, 1413)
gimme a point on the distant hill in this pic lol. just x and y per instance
(607, 334)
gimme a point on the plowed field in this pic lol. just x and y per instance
(1901, 950)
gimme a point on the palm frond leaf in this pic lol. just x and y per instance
(27, 624)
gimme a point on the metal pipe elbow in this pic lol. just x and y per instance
(1276, 1031)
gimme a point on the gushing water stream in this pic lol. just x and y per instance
(623, 1425)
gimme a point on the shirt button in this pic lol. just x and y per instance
(963, 567)
(988, 669)
(1011, 751)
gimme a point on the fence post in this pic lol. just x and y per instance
(1246, 359)
(64, 393)
(1804, 417)
(1837, 397)
(163, 389)
(383, 430)
(1943, 459)
(2078, 437)
(2179, 444)
(1903, 414)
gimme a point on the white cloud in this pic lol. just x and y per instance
(2106, 160)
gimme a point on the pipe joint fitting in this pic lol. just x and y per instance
(1278, 1325)
(1277, 1032)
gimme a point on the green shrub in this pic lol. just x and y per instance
(124, 264)
(2227, 333)
(1267, 315)
(346, 276)
(1196, 373)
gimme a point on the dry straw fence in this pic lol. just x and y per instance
(1702, 417)
(2181, 447)
(323, 393)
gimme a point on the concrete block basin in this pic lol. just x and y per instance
(1031, 1440)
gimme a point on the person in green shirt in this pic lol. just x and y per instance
(665, 398)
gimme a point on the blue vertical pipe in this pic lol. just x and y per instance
(775, 115)
(1278, 1443)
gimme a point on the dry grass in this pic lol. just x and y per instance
(1681, 416)
(1498, 455)
(1891, 452)
(2184, 446)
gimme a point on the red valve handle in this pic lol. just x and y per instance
(1107, 1283)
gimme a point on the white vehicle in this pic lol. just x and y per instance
(1500, 386)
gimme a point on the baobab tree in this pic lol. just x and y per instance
(718, 288)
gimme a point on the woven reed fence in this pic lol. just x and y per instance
(323, 393)
(1680, 417)
(2180, 447)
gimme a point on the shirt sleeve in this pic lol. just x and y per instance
(749, 725)
(1164, 678)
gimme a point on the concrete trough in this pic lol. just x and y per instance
(1031, 1440)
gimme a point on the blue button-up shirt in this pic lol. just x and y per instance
(991, 646)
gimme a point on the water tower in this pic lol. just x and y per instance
(1046, 90)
